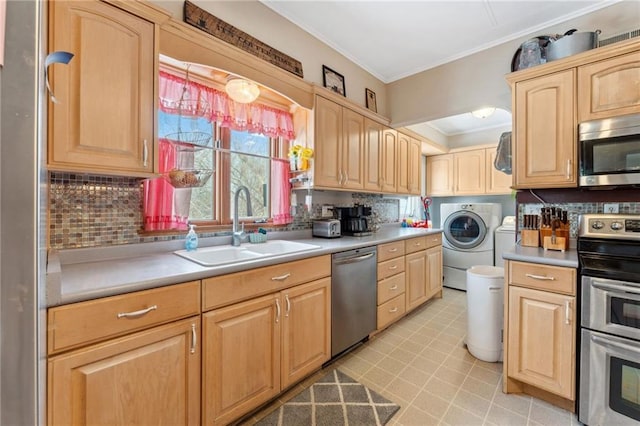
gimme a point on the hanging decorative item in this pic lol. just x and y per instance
(187, 138)
(210, 24)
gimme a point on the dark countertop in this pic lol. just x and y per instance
(568, 258)
(76, 275)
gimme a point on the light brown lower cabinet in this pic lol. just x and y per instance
(540, 330)
(146, 378)
(255, 349)
(423, 268)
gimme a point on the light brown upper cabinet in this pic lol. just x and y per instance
(545, 143)
(339, 146)
(440, 175)
(389, 160)
(469, 171)
(409, 152)
(496, 182)
(104, 118)
(609, 88)
(374, 155)
(466, 172)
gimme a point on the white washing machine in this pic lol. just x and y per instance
(468, 232)
(505, 238)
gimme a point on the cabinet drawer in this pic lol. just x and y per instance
(557, 279)
(390, 287)
(415, 244)
(390, 250)
(87, 322)
(390, 311)
(434, 240)
(231, 288)
(390, 267)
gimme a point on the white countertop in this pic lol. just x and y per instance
(82, 274)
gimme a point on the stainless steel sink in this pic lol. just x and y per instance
(224, 255)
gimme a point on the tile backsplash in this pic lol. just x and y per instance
(94, 211)
(575, 210)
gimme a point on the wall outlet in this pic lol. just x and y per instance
(610, 208)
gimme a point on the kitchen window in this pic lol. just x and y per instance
(248, 147)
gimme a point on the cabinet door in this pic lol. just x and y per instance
(434, 271)
(541, 340)
(416, 279)
(440, 175)
(415, 159)
(497, 182)
(469, 172)
(328, 142)
(545, 134)
(609, 88)
(241, 358)
(352, 149)
(306, 329)
(374, 151)
(403, 147)
(389, 160)
(104, 120)
(151, 378)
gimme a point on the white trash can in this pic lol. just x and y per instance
(485, 300)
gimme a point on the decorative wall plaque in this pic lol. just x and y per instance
(210, 24)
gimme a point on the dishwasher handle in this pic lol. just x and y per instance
(354, 259)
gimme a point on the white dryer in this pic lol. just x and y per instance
(468, 231)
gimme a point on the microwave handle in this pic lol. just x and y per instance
(569, 169)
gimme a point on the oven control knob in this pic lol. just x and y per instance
(597, 224)
(616, 226)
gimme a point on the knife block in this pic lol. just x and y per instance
(529, 238)
(562, 239)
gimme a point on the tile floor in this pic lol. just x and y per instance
(421, 364)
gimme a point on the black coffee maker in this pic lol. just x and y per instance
(354, 221)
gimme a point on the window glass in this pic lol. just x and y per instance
(250, 167)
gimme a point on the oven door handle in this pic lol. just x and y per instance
(614, 287)
(614, 345)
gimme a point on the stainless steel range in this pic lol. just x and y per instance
(609, 253)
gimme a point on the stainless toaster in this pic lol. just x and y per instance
(326, 228)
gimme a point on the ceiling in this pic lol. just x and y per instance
(417, 35)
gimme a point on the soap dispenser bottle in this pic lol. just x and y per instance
(191, 242)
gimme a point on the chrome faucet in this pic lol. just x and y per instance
(238, 236)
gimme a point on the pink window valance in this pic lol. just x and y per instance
(218, 107)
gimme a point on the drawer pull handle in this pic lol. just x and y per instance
(393, 250)
(277, 311)
(281, 277)
(567, 312)
(417, 244)
(139, 313)
(393, 267)
(394, 310)
(194, 338)
(540, 277)
(395, 287)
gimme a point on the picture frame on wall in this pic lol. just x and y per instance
(333, 80)
(370, 96)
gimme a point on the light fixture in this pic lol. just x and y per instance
(241, 90)
(483, 112)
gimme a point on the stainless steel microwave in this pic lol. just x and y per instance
(610, 151)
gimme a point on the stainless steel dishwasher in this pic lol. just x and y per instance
(353, 297)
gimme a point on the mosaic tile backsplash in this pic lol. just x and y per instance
(94, 211)
(574, 211)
